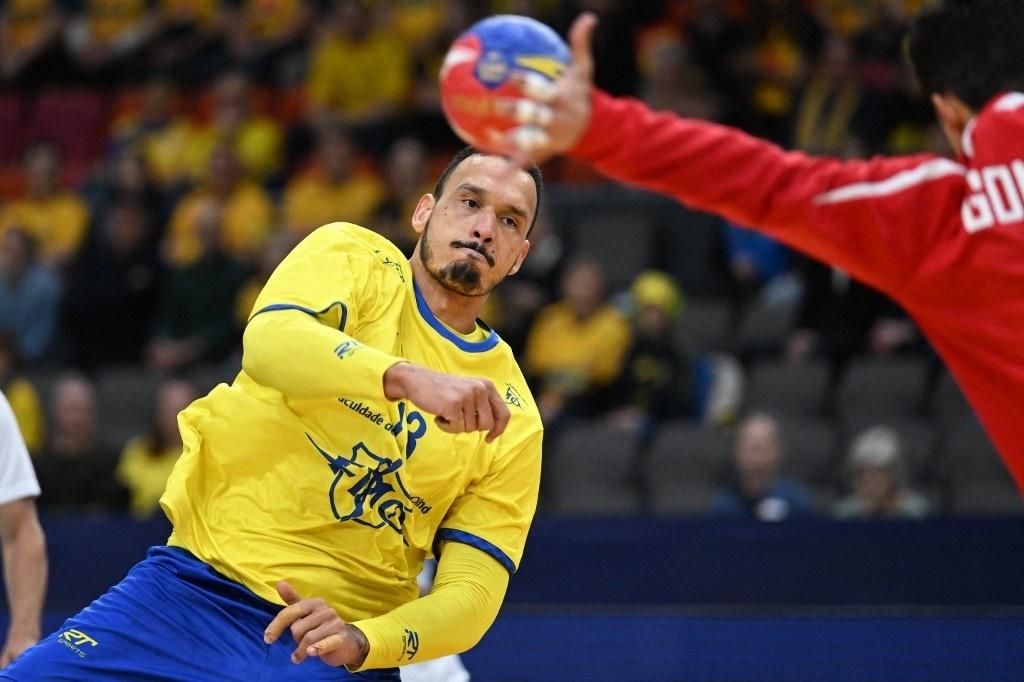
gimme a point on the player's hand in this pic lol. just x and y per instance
(17, 642)
(317, 629)
(460, 404)
(554, 117)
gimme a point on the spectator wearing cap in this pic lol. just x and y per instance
(878, 479)
(654, 382)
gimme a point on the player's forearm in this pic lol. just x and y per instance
(464, 602)
(25, 571)
(295, 354)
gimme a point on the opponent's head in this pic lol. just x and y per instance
(473, 229)
(964, 53)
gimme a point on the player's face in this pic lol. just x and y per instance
(474, 236)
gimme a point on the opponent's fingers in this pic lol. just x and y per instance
(524, 111)
(528, 139)
(537, 87)
(581, 37)
(501, 415)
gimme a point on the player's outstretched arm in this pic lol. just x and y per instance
(871, 218)
(25, 569)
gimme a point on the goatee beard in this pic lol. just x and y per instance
(460, 277)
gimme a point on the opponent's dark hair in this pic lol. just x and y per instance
(465, 153)
(973, 49)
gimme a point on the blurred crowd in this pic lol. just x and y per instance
(159, 158)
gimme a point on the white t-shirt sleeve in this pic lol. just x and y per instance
(17, 477)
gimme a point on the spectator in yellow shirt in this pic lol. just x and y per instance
(146, 461)
(359, 74)
(334, 189)
(266, 32)
(156, 131)
(57, 219)
(276, 248)
(30, 48)
(258, 140)
(576, 345)
(248, 213)
(109, 38)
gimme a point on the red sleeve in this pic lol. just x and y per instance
(875, 219)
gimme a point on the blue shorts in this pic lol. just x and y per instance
(173, 618)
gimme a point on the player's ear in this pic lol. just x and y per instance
(522, 256)
(424, 207)
(953, 115)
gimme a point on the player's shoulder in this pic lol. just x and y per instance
(996, 132)
(360, 242)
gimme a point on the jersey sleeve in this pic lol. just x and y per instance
(495, 512)
(872, 218)
(17, 478)
(302, 338)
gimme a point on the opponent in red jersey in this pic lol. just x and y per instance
(945, 238)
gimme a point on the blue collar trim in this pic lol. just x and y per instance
(480, 346)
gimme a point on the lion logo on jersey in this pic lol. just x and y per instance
(366, 483)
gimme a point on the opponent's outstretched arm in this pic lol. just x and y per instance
(875, 219)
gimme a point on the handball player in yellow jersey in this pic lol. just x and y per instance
(375, 421)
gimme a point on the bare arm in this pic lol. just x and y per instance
(25, 571)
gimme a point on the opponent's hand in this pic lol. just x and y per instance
(17, 642)
(460, 404)
(554, 117)
(317, 629)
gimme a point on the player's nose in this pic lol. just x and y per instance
(484, 226)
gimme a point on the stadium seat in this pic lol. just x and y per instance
(883, 388)
(970, 465)
(692, 252)
(126, 397)
(12, 112)
(810, 454)
(788, 389)
(948, 402)
(74, 120)
(684, 467)
(621, 239)
(704, 326)
(592, 470)
(765, 326)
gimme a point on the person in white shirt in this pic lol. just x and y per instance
(21, 538)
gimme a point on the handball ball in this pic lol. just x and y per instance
(478, 70)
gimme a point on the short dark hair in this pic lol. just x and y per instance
(973, 49)
(465, 153)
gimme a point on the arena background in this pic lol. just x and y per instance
(131, 131)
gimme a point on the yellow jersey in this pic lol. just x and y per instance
(343, 492)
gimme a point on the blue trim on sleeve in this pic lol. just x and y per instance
(309, 311)
(480, 346)
(474, 541)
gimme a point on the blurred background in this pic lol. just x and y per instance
(745, 445)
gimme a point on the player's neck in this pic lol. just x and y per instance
(455, 310)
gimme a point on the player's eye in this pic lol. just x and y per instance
(510, 222)
(471, 203)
